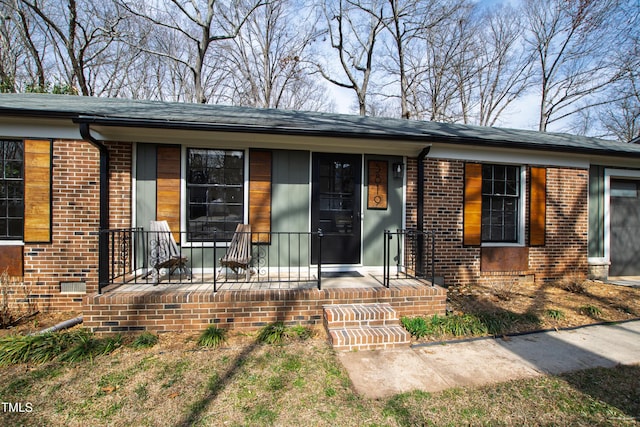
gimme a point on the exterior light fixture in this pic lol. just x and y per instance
(398, 170)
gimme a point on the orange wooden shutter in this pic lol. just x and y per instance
(37, 191)
(472, 204)
(538, 206)
(168, 188)
(260, 196)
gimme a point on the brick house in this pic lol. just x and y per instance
(406, 203)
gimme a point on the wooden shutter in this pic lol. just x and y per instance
(168, 188)
(538, 206)
(37, 191)
(260, 196)
(472, 204)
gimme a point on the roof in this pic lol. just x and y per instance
(185, 116)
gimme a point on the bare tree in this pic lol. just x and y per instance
(439, 67)
(504, 67)
(80, 32)
(266, 63)
(195, 25)
(406, 21)
(573, 41)
(353, 31)
(22, 52)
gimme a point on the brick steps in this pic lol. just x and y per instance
(364, 327)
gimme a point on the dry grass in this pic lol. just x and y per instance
(548, 306)
(243, 382)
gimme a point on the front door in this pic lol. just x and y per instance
(335, 207)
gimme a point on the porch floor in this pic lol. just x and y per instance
(204, 283)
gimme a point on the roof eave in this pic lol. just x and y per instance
(281, 130)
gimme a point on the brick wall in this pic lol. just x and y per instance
(72, 255)
(243, 310)
(565, 249)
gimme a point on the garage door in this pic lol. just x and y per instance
(625, 228)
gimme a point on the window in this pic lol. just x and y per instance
(500, 203)
(215, 193)
(11, 190)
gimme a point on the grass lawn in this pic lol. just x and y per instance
(301, 382)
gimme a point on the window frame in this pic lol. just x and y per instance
(7, 239)
(187, 186)
(520, 215)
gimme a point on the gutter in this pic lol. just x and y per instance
(357, 132)
(103, 242)
(420, 226)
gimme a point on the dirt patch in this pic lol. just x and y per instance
(39, 322)
(563, 304)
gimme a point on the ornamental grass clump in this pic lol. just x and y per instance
(274, 333)
(72, 346)
(212, 337)
(145, 340)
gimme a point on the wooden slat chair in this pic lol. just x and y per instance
(164, 251)
(238, 255)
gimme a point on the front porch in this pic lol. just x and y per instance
(283, 288)
(176, 307)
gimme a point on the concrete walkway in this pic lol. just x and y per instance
(435, 367)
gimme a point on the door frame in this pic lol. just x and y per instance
(336, 267)
(608, 175)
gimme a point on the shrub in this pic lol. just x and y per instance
(591, 311)
(300, 332)
(554, 314)
(70, 346)
(145, 340)
(274, 333)
(416, 326)
(212, 337)
(465, 324)
(84, 346)
(574, 285)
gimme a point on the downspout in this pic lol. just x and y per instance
(103, 239)
(420, 226)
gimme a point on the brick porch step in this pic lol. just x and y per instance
(364, 327)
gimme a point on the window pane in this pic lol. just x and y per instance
(215, 192)
(500, 201)
(16, 209)
(11, 189)
(13, 169)
(15, 228)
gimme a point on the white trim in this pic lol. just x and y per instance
(608, 174)
(506, 155)
(12, 243)
(183, 195)
(42, 128)
(522, 210)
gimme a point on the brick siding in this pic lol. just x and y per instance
(164, 311)
(72, 255)
(565, 249)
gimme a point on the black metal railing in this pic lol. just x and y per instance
(413, 254)
(137, 256)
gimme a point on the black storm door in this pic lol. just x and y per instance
(336, 207)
